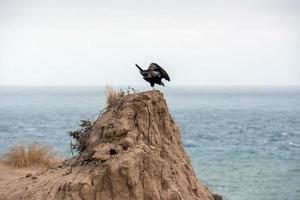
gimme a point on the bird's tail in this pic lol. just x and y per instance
(139, 67)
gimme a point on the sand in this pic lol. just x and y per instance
(11, 174)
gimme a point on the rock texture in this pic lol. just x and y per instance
(133, 152)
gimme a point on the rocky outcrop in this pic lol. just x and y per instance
(133, 151)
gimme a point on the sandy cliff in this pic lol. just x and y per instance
(133, 151)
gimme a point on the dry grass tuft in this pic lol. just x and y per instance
(34, 154)
(112, 96)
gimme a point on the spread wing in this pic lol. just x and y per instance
(156, 67)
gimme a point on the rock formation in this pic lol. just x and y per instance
(133, 152)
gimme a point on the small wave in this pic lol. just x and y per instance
(284, 134)
(30, 129)
(294, 144)
(189, 143)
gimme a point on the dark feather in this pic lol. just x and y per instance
(139, 67)
(156, 67)
(154, 74)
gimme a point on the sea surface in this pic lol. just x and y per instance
(244, 142)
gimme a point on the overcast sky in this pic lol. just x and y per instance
(97, 42)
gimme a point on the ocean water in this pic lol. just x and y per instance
(244, 142)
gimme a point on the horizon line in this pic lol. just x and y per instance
(142, 86)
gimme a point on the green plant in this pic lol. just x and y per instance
(217, 197)
(80, 135)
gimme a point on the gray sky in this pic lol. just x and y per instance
(70, 42)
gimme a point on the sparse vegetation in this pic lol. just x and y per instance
(112, 96)
(86, 126)
(25, 156)
(80, 134)
(217, 197)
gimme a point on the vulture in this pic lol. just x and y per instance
(154, 74)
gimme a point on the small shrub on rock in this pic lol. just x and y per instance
(80, 135)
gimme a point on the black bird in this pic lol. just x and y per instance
(154, 74)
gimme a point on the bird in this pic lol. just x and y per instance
(154, 74)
